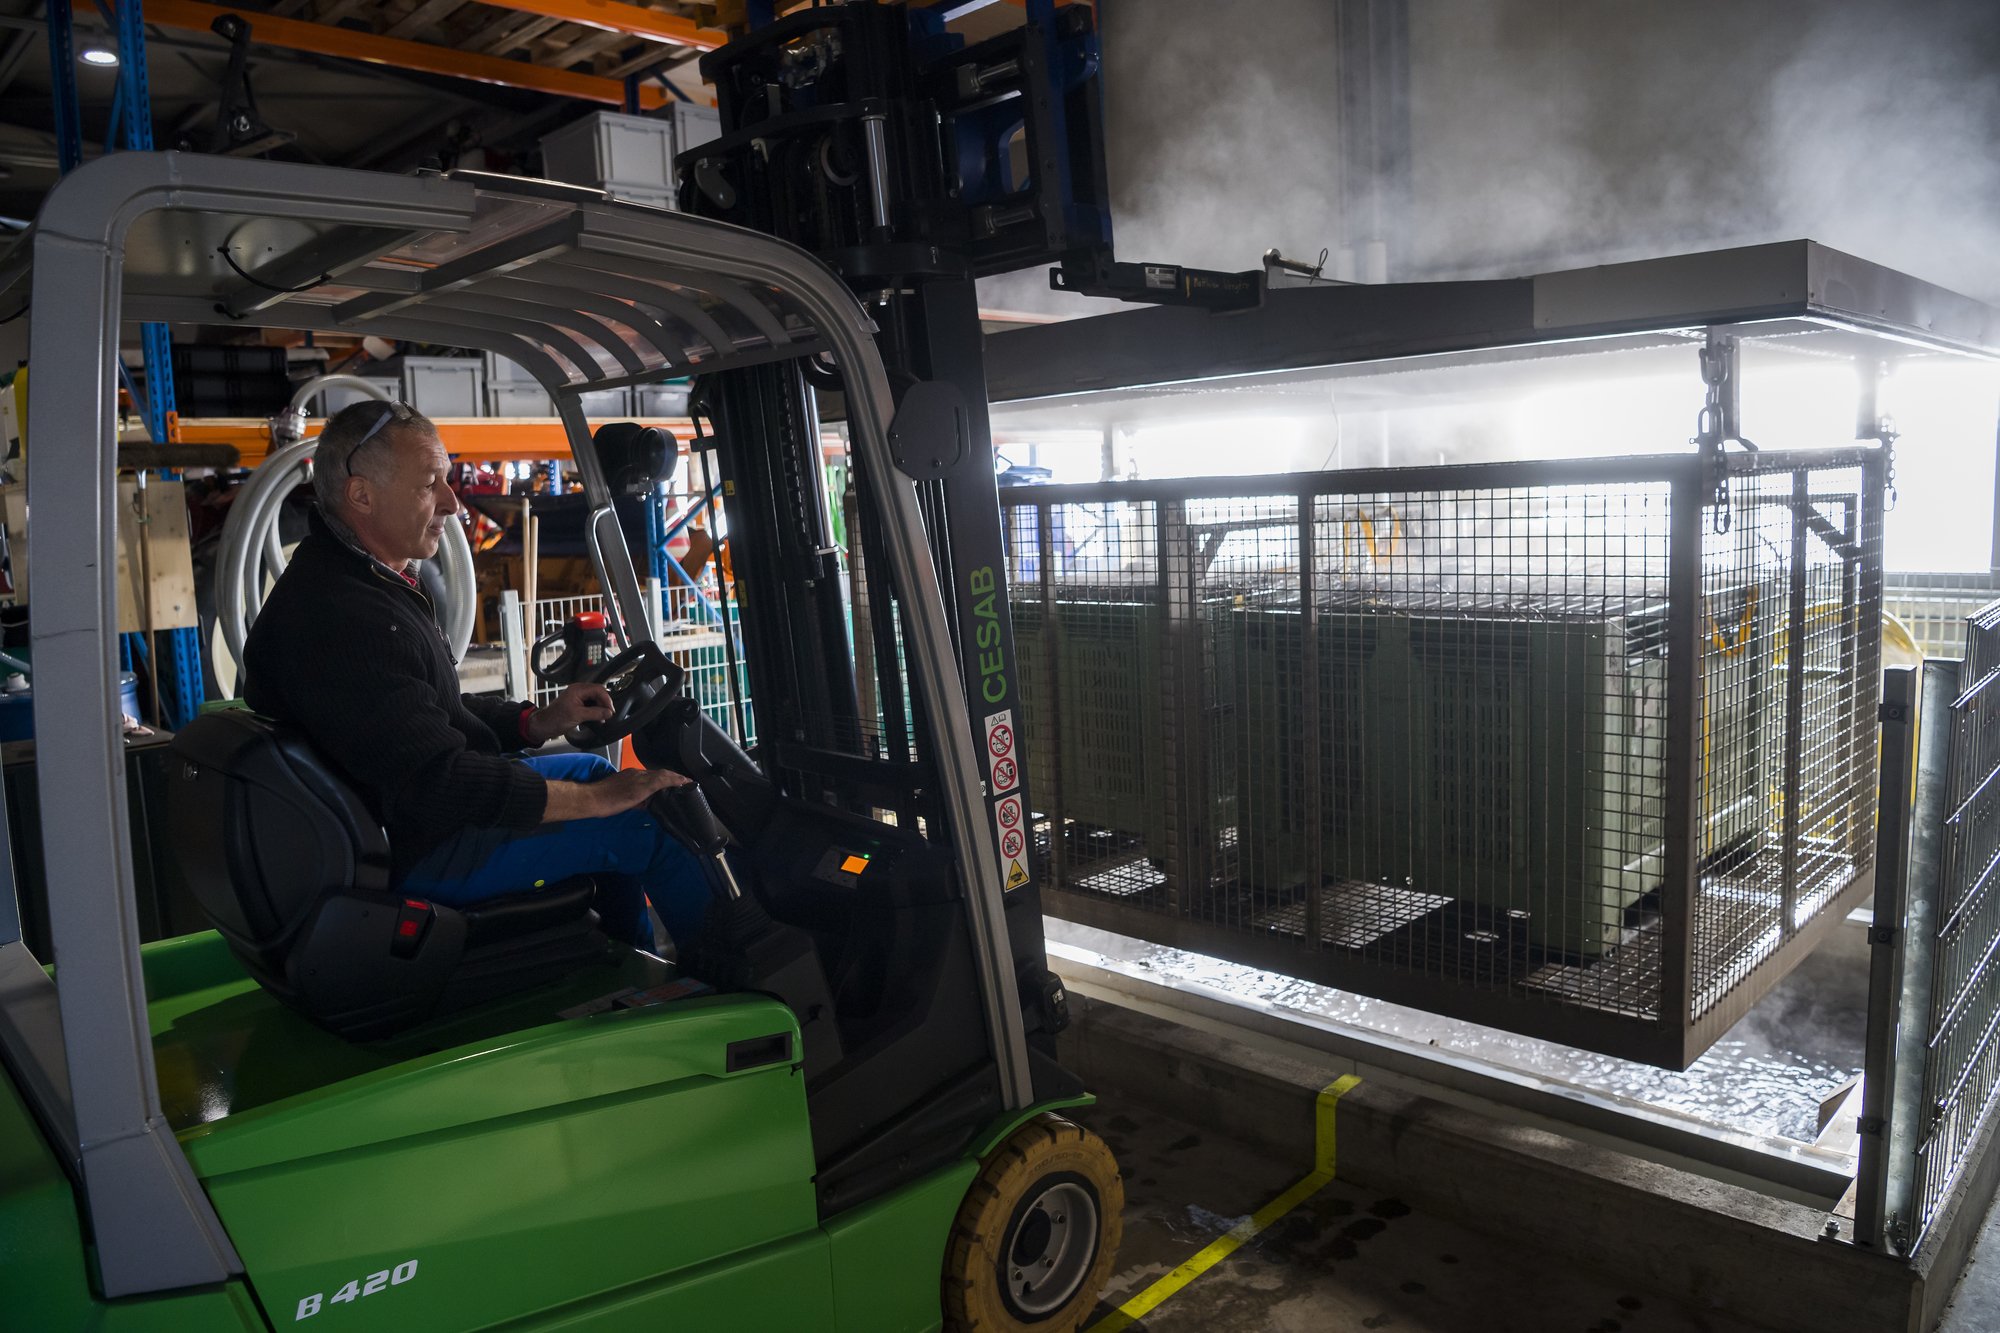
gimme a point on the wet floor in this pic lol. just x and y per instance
(1345, 1259)
(1768, 1076)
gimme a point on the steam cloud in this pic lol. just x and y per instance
(1558, 133)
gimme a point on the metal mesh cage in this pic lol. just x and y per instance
(1566, 748)
(1961, 1061)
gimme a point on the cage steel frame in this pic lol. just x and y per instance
(1560, 747)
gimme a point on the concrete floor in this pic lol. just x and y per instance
(1346, 1259)
(1975, 1306)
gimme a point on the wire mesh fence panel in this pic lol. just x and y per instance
(546, 616)
(690, 637)
(1961, 1074)
(1410, 732)
(704, 640)
(1934, 607)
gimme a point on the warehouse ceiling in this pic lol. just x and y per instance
(383, 114)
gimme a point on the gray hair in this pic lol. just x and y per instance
(352, 443)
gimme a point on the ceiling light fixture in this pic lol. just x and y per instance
(97, 55)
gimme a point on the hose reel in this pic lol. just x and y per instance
(252, 557)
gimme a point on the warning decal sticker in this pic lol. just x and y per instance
(1011, 829)
(1002, 767)
(1003, 774)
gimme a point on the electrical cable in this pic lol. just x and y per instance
(256, 281)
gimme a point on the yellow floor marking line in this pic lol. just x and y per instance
(1227, 1244)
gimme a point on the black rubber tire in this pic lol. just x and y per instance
(1047, 1152)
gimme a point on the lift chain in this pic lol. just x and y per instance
(1887, 433)
(1711, 425)
(1718, 421)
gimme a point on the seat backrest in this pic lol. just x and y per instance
(240, 773)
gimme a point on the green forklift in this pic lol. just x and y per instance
(347, 1108)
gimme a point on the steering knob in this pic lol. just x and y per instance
(642, 683)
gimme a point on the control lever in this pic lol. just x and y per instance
(684, 813)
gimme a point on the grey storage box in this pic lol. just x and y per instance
(624, 153)
(660, 400)
(500, 370)
(695, 125)
(518, 400)
(607, 404)
(445, 386)
(335, 397)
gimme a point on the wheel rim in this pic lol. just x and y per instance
(1049, 1250)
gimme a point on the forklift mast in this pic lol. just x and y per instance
(912, 163)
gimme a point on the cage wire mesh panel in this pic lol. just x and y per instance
(1961, 1073)
(1791, 675)
(1934, 608)
(1411, 732)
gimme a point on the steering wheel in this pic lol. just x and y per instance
(642, 683)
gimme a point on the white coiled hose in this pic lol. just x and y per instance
(251, 555)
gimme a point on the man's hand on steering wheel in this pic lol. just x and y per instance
(582, 702)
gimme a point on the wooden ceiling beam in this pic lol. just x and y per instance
(649, 59)
(508, 36)
(588, 47)
(424, 17)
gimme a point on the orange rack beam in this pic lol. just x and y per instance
(473, 439)
(398, 53)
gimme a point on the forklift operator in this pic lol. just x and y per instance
(348, 649)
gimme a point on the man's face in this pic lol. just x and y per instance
(399, 504)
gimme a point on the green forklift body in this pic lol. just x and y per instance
(605, 1170)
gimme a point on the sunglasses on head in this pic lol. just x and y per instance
(389, 413)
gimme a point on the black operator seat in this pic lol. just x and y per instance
(293, 871)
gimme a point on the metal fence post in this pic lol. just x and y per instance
(1181, 746)
(1795, 702)
(1314, 821)
(1923, 885)
(1052, 736)
(1900, 701)
(514, 645)
(1682, 876)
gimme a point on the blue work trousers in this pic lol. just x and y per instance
(634, 858)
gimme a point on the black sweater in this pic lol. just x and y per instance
(352, 654)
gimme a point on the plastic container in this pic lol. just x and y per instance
(17, 708)
(445, 386)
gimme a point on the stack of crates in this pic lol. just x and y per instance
(334, 397)
(512, 392)
(445, 386)
(230, 381)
